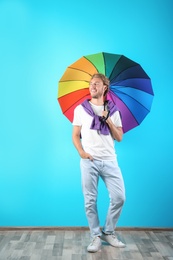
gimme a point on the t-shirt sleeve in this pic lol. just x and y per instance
(117, 119)
(77, 116)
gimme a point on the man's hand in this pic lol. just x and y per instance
(117, 132)
(78, 145)
(85, 155)
(105, 114)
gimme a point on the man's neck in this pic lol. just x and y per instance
(97, 101)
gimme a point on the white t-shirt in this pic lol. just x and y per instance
(100, 146)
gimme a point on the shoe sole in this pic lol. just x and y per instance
(122, 246)
(94, 251)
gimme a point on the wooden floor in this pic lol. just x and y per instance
(72, 245)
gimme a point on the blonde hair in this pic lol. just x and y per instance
(104, 79)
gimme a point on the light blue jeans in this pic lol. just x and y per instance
(110, 173)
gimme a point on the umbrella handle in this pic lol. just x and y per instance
(106, 105)
(105, 108)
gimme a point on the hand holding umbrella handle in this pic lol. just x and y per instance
(103, 118)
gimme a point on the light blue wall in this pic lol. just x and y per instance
(39, 167)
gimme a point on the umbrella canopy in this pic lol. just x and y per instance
(130, 86)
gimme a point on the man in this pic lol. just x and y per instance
(94, 132)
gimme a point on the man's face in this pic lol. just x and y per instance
(97, 88)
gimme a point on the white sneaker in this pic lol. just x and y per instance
(112, 240)
(95, 245)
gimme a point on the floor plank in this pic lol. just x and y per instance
(72, 245)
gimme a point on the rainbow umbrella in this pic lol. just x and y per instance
(130, 86)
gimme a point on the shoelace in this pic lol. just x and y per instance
(115, 237)
(94, 241)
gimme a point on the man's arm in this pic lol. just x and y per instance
(117, 132)
(77, 143)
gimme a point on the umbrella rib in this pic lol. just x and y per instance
(92, 64)
(104, 62)
(122, 72)
(71, 80)
(76, 102)
(80, 70)
(132, 78)
(133, 87)
(133, 99)
(119, 81)
(127, 108)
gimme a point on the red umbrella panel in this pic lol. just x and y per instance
(130, 86)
